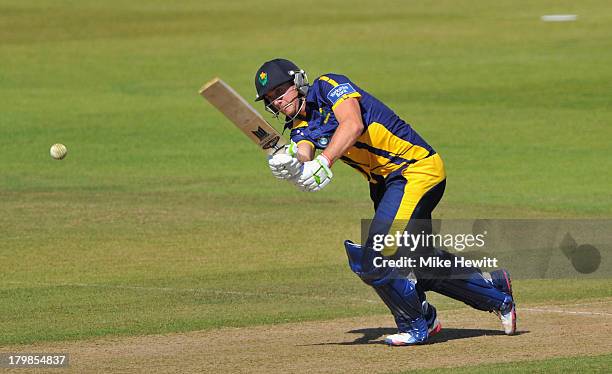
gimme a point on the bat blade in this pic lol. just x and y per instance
(243, 115)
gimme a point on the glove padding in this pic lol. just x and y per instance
(284, 166)
(315, 175)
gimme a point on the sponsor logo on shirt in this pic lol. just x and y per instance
(339, 91)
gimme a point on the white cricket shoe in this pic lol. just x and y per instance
(501, 280)
(508, 319)
(408, 338)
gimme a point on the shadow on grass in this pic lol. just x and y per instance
(374, 335)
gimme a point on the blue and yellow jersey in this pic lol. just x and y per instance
(387, 143)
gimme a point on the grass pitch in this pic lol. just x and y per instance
(164, 218)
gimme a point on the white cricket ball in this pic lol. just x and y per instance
(58, 151)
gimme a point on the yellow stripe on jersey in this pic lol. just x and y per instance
(326, 118)
(381, 147)
(327, 79)
(381, 138)
(371, 162)
(360, 157)
(297, 125)
(358, 167)
(307, 142)
(344, 97)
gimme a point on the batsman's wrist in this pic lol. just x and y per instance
(327, 160)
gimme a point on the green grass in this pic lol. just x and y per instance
(592, 364)
(160, 192)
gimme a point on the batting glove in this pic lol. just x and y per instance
(315, 175)
(285, 165)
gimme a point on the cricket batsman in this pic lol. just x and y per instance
(407, 179)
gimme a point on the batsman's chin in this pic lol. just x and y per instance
(289, 112)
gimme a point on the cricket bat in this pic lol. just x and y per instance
(244, 116)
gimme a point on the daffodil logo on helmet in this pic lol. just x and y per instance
(263, 78)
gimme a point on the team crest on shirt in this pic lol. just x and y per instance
(339, 91)
(263, 78)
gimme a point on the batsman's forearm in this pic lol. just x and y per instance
(345, 136)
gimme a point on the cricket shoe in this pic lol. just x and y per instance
(416, 334)
(507, 314)
(431, 316)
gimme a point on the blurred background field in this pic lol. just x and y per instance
(163, 217)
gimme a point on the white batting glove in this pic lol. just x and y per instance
(285, 165)
(315, 175)
(291, 149)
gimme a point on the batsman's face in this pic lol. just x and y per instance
(284, 99)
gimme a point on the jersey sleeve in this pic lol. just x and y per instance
(335, 88)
